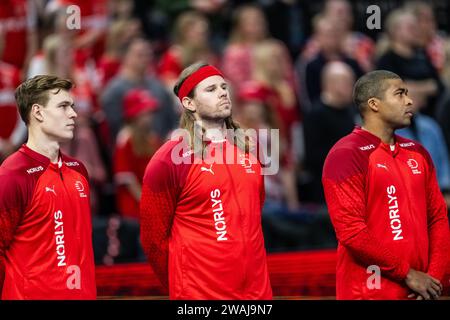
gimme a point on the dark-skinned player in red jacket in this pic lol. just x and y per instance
(384, 201)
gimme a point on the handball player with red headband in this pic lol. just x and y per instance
(201, 218)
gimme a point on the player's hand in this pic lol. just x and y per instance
(424, 286)
(415, 295)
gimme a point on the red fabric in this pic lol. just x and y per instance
(293, 275)
(237, 64)
(137, 101)
(127, 162)
(286, 115)
(387, 211)
(9, 80)
(201, 230)
(169, 66)
(195, 78)
(108, 68)
(436, 51)
(45, 228)
(84, 92)
(13, 22)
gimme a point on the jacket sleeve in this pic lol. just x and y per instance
(438, 228)
(344, 186)
(262, 192)
(157, 209)
(10, 215)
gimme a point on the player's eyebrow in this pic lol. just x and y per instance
(401, 90)
(71, 103)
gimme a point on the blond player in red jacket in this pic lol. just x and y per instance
(45, 223)
(384, 201)
(201, 215)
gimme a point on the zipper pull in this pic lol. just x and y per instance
(60, 163)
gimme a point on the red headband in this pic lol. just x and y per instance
(196, 77)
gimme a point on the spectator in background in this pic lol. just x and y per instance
(134, 73)
(443, 117)
(272, 73)
(427, 131)
(119, 35)
(89, 42)
(136, 144)
(12, 129)
(428, 36)
(121, 9)
(356, 45)
(272, 70)
(331, 42)
(18, 28)
(331, 118)
(256, 113)
(287, 22)
(249, 27)
(190, 44)
(446, 70)
(405, 57)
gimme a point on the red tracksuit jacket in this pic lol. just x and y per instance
(388, 211)
(45, 229)
(207, 218)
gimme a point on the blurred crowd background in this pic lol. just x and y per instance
(291, 66)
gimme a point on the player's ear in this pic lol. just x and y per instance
(189, 104)
(373, 104)
(36, 112)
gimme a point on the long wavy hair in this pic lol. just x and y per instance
(187, 120)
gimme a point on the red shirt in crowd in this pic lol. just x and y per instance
(9, 116)
(130, 167)
(16, 20)
(388, 212)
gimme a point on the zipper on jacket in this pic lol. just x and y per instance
(244, 241)
(404, 187)
(59, 165)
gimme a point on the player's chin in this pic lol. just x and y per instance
(407, 122)
(226, 113)
(403, 124)
(66, 137)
